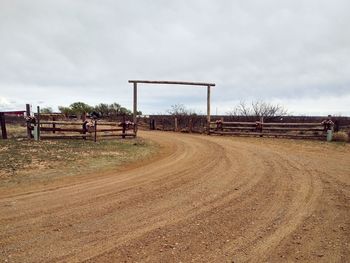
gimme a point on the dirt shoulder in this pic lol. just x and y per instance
(28, 164)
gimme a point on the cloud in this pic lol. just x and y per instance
(4, 102)
(8, 105)
(65, 51)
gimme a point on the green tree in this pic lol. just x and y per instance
(124, 110)
(117, 109)
(46, 110)
(80, 108)
(65, 110)
(103, 109)
(114, 108)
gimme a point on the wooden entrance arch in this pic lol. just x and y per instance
(135, 82)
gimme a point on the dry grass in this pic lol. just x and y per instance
(16, 130)
(23, 160)
(340, 137)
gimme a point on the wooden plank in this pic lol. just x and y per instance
(51, 129)
(109, 130)
(104, 123)
(65, 136)
(292, 124)
(107, 123)
(292, 129)
(268, 134)
(271, 124)
(239, 128)
(273, 128)
(73, 136)
(235, 123)
(118, 135)
(191, 83)
(62, 122)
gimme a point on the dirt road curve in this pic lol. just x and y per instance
(205, 199)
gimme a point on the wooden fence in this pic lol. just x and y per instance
(287, 130)
(198, 123)
(79, 130)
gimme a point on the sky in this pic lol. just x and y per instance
(294, 53)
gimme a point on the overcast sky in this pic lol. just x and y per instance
(296, 53)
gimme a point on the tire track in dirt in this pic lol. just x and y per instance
(210, 199)
(247, 202)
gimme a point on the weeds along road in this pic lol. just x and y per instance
(205, 199)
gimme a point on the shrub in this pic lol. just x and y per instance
(340, 137)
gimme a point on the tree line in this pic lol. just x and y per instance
(103, 109)
(268, 111)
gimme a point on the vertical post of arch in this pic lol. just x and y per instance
(135, 107)
(208, 109)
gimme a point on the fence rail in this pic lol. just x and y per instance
(69, 129)
(261, 129)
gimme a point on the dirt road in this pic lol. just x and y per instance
(205, 199)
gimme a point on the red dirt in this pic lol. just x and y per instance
(205, 199)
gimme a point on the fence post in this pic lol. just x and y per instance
(208, 110)
(84, 133)
(153, 124)
(53, 125)
(262, 124)
(124, 127)
(29, 131)
(95, 135)
(135, 108)
(175, 121)
(3, 125)
(37, 126)
(190, 125)
(329, 135)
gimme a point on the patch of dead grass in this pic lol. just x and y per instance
(26, 160)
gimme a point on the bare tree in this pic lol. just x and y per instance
(266, 110)
(180, 110)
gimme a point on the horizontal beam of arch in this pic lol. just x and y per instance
(173, 82)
